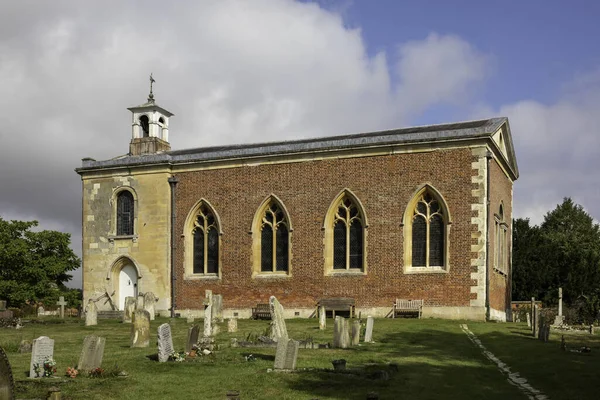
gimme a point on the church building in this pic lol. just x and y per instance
(422, 213)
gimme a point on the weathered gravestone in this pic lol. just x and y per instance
(369, 330)
(61, 303)
(543, 329)
(217, 310)
(149, 304)
(2, 305)
(42, 349)
(355, 333)
(192, 337)
(7, 384)
(25, 346)
(278, 327)
(322, 319)
(40, 311)
(91, 353)
(140, 330)
(208, 307)
(528, 320)
(165, 342)
(535, 322)
(341, 335)
(232, 325)
(190, 318)
(91, 313)
(139, 303)
(129, 308)
(286, 354)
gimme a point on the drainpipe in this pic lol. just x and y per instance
(488, 156)
(173, 183)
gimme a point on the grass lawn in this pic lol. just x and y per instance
(434, 358)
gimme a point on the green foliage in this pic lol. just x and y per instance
(33, 264)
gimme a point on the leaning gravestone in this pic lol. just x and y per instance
(341, 335)
(129, 308)
(232, 325)
(165, 342)
(7, 384)
(140, 330)
(192, 337)
(286, 354)
(322, 318)
(149, 304)
(91, 314)
(278, 328)
(369, 330)
(91, 353)
(217, 309)
(355, 332)
(42, 349)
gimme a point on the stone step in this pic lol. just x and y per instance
(110, 314)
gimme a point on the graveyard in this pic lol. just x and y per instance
(407, 358)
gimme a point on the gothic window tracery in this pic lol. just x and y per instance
(205, 242)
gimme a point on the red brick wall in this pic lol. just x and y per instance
(384, 185)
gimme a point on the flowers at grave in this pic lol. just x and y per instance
(46, 369)
(71, 372)
(177, 357)
(250, 357)
(96, 372)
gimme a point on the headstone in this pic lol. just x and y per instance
(217, 311)
(192, 337)
(355, 332)
(208, 317)
(61, 303)
(140, 330)
(91, 313)
(129, 308)
(591, 329)
(42, 349)
(165, 342)
(533, 321)
(322, 319)
(25, 346)
(40, 311)
(286, 354)
(341, 335)
(278, 328)
(2, 305)
(536, 318)
(139, 304)
(369, 330)
(528, 320)
(149, 303)
(7, 384)
(91, 353)
(190, 318)
(232, 325)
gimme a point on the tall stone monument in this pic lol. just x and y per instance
(322, 318)
(341, 334)
(278, 327)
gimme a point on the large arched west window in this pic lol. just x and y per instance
(426, 232)
(202, 242)
(125, 213)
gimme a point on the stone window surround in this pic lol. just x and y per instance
(112, 236)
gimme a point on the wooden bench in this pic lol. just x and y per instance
(412, 306)
(337, 304)
(261, 311)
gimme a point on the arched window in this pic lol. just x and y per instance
(500, 247)
(271, 238)
(145, 125)
(125, 213)
(426, 232)
(206, 242)
(345, 235)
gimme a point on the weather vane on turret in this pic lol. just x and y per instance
(151, 96)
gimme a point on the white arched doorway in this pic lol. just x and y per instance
(127, 284)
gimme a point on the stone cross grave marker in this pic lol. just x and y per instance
(217, 311)
(91, 353)
(62, 303)
(535, 322)
(286, 354)
(149, 304)
(7, 384)
(42, 349)
(208, 317)
(369, 330)
(140, 330)
(528, 320)
(278, 327)
(232, 325)
(165, 342)
(192, 337)
(355, 332)
(129, 308)
(91, 313)
(322, 318)
(341, 335)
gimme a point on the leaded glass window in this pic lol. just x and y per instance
(428, 233)
(206, 242)
(348, 235)
(125, 215)
(274, 240)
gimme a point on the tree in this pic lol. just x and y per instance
(33, 265)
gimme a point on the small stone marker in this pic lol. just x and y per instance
(41, 311)
(528, 320)
(208, 330)
(139, 304)
(2, 305)
(190, 318)
(535, 322)
(322, 318)
(369, 330)
(192, 337)
(25, 346)
(130, 303)
(43, 348)
(287, 354)
(341, 335)
(140, 330)
(278, 328)
(165, 342)
(217, 311)
(149, 304)
(91, 353)
(7, 384)
(355, 332)
(91, 313)
(62, 303)
(232, 325)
